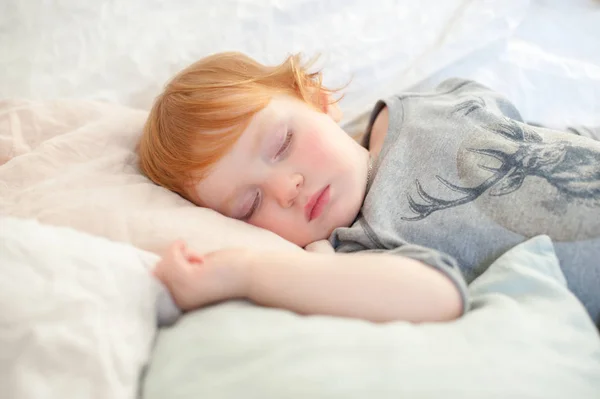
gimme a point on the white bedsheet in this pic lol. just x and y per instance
(77, 314)
(526, 337)
(549, 66)
(541, 53)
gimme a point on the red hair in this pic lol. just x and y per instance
(205, 108)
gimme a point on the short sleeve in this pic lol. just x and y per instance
(495, 102)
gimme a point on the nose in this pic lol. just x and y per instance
(285, 188)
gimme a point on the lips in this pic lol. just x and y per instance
(316, 204)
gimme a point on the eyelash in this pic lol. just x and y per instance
(286, 144)
(253, 208)
(282, 150)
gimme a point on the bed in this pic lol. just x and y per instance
(80, 226)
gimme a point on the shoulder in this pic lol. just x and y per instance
(378, 132)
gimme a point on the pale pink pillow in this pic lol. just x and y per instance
(73, 163)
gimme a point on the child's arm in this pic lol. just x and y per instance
(376, 287)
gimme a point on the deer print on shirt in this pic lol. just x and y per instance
(571, 168)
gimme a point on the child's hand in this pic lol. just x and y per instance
(321, 246)
(196, 280)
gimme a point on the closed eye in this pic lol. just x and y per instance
(285, 145)
(253, 207)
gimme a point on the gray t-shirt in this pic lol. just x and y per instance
(461, 179)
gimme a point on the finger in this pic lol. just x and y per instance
(159, 272)
(179, 246)
(179, 259)
(312, 247)
(170, 251)
(321, 246)
(156, 272)
(193, 256)
(175, 267)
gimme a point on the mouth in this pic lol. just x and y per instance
(315, 206)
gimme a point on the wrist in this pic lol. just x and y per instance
(250, 270)
(268, 271)
(242, 273)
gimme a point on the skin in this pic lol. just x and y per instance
(373, 286)
(289, 152)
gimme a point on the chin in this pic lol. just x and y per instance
(347, 217)
(338, 222)
(322, 234)
(340, 219)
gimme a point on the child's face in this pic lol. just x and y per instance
(293, 171)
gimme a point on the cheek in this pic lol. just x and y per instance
(282, 223)
(270, 217)
(316, 151)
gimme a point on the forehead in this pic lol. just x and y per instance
(227, 173)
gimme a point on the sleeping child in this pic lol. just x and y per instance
(441, 185)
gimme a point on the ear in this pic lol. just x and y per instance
(329, 108)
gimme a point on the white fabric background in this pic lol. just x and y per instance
(542, 53)
(72, 323)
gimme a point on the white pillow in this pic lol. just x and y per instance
(526, 337)
(73, 163)
(77, 315)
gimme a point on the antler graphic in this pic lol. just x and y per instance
(432, 204)
(508, 169)
(469, 106)
(573, 169)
